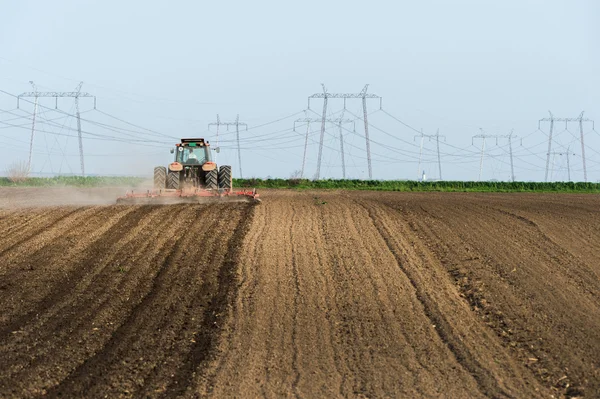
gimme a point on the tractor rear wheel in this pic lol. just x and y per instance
(173, 181)
(225, 179)
(211, 179)
(160, 178)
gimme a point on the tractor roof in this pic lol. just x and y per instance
(193, 143)
(192, 140)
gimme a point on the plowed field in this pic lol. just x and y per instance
(308, 294)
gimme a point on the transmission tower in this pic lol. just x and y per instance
(362, 95)
(510, 149)
(339, 122)
(567, 154)
(217, 124)
(237, 125)
(73, 94)
(437, 143)
(483, 137)
(437, 139)
(580, 119)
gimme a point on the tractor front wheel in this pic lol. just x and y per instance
(160, 178)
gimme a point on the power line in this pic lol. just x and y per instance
(99, 136)
(94, 136)
(155, 133)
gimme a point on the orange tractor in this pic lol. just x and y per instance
(191, 177)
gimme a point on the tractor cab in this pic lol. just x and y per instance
(192, 152)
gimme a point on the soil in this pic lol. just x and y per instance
(307, 294)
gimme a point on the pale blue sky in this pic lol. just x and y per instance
(172, 66)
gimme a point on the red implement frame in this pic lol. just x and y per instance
(190, 196)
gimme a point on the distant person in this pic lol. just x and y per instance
(191, 155)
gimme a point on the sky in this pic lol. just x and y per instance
(164, 70)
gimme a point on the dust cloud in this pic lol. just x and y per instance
(19, 197)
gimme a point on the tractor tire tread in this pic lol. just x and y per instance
(160, 178)
(225, 177)
(211, 180)
(173, 181)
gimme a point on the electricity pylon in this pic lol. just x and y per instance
(437, 139)
(580, 119)
(237, 125)
(567, 154)
(74, 94)
(339, 122)
(362, 95)
(483, 137)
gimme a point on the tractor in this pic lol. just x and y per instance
(192, 169)
(191, 178)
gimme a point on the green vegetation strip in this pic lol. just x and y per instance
(408, 185)
(383, 185)
(72, 181)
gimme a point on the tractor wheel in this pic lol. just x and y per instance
(211, 180)
(173, 181)
(160, 178)
(225, 179)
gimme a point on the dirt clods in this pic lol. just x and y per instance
(310, 294)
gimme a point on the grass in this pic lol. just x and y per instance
(72, 181)
(409, 185)
(383, 185)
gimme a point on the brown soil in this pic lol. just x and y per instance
(309, 294)
(18, 197)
